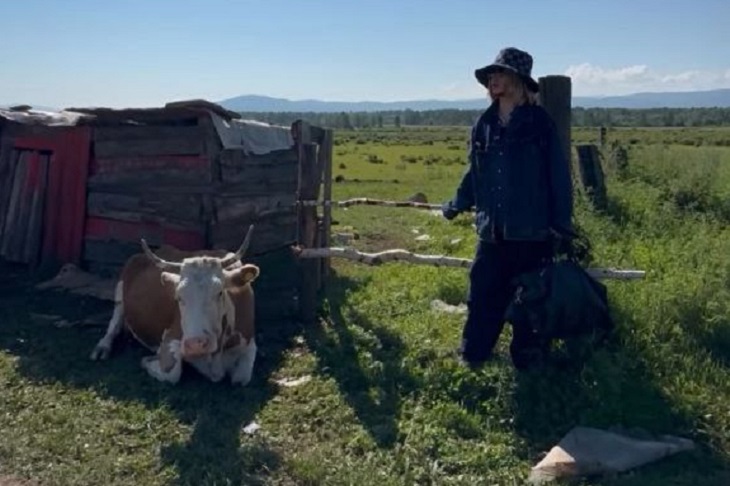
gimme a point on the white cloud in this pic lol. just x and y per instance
(594, 80)
(588, 74)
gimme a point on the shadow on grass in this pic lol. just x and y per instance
(613, 389)
(214, 454)
(715, 340)
(617, 211)
(364, 359)
(710, 334)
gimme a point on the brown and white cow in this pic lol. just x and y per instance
(194, 307)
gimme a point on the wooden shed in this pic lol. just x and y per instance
(84, 185)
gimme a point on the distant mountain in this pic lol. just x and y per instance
(718, 98)
(265, 103)
(691, 99)
(254, 103)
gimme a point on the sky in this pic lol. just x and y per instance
(71, 53)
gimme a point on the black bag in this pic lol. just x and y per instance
(557, 301)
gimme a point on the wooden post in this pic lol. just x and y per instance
(591, 175)
(602, 137)
(307, 221)
(555, 97)
(325, 154)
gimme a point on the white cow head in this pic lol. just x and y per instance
(200, 290)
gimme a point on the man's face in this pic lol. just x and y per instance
(499, 84)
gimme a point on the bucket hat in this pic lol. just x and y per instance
(511, 59)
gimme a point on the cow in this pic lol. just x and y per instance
(194, 307)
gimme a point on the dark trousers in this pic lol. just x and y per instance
(495, 266)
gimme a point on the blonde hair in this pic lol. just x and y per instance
(524, 94)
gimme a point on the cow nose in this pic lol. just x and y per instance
(196, 346)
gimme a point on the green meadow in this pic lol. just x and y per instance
(386, 402)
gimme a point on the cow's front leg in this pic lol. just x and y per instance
(116, 323)
(245, 356)
(210, 366)
(166, 366)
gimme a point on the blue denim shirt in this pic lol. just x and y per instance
(493, 131)
(518, 178)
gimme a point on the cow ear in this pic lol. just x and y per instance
(241, 276)
(169, 278)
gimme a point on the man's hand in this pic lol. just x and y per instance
(449, 212)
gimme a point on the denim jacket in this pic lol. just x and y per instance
(533, 195)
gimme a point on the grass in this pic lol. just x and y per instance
(387, 403)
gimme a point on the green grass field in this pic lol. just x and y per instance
(387, 404)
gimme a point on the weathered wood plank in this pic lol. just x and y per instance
(19, 232)
(145, 164)
(307, 222)
(180, 144)
(155, 233)
(129, 133)
(14, 224)
(253, 207)
(37, 184)
(8, 162)
(555, 97)
(213, 149)
(269, 233)
(150, 179)
(241, 190)
(110, 252)
(261, 175)
(325, 153)
(238, 158)
(278, 166)
(183, 209)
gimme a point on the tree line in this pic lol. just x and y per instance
(582, 117)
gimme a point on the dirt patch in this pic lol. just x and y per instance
(15, 481)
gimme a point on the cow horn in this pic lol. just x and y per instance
(225, 262)
(162, 264)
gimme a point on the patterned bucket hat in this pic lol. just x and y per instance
(512, 59)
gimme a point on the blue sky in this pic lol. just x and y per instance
(65, 53)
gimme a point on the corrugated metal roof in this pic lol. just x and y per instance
(44, 118)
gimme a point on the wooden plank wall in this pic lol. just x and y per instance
(176, 185)
(172, 183)
(144, 182)
(260, 190)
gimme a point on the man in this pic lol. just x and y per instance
(519, 182)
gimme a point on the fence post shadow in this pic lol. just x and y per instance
(338, 339)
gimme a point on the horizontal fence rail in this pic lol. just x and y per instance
(366, 201)
(400, 255)
(393, 255)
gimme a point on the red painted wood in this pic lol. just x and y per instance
(64, 223)
(34, 142)
(32, 182)
(110, 229)
(65, 208)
